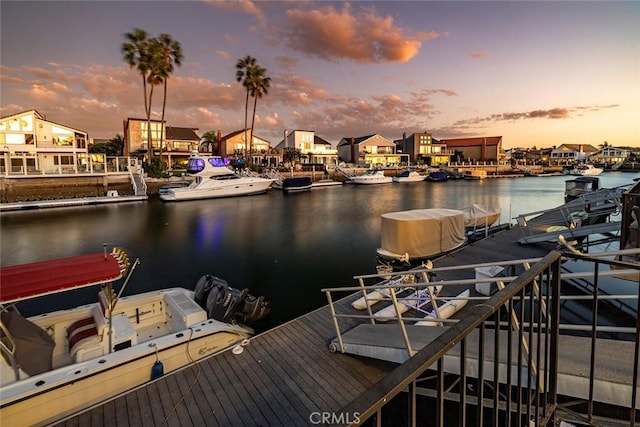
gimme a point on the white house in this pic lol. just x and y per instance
(32, 145)
(312, 148)
(374, 150)
(567, 154)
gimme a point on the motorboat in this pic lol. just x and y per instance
(60, 362)
(373, 176)
(327, 182)
(586, 169)
(292, 185)
(475, 174)
(438, 176)
(409, 176)
(419, 234)
(574, 188)
(214, 178)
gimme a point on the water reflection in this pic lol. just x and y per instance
(284, 246)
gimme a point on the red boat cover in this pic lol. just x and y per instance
(26, 281)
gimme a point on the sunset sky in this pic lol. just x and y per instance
(538, 73)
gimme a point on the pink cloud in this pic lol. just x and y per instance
(335, 35)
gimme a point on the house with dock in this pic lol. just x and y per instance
(373, 150)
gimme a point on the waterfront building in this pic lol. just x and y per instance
(612, 156)
(424, 149)
(234, 145)
(172, 144)
(568, 154)
(481, 149)
(372, 150)
(32, 145)
(313, 149)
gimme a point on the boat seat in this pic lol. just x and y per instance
(81, 333)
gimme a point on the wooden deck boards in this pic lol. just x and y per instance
(283, 375)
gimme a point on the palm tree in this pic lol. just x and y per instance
(209, 139)
(170, 54)
(259, 84)
(244, 69)
(135, 52)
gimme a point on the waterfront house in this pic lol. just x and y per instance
(32, 145)
(372, 150)
(568, 154)
(313, 149)
(609, 156)
(234, 145)
(177, 142)
(480, 149)
(423, 148)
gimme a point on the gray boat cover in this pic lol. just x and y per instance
(422, 233)
(34, 347)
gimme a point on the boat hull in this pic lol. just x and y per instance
(250, 187)
(80, 387)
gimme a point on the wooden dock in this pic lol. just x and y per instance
(284, 376)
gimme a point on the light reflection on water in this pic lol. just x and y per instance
(284, 246)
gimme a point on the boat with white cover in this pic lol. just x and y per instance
(421, 233)
(64, 361)
(585, 170)
(373, 176)
(478, 216)
(213, 179)
(409, 176)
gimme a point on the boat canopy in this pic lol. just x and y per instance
(21, 282)
(478, 215)
(422, 233)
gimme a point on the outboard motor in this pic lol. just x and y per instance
(222, 303)
(204, 286)
(227, 304)
(255, 308)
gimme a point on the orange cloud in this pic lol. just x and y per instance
(243, 6)
(364, 38)
(478, 54)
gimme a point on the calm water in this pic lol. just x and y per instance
(284, 246)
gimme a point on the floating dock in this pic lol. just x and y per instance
(63, 203)
(288, 375)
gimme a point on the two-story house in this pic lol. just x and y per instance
(30, 144)
(422, 148)
(372, 150)
(568, 154)
(611, 156)
(313, 149)
(177, 142)
(234, 145)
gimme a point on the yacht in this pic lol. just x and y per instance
(373, 176)
(214, 178)
(409, 176)
(585, 170)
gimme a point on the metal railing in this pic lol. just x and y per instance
(514, 385)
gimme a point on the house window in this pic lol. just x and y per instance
(63, 160)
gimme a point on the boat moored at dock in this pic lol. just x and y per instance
(66, 360)
(373, 176)
(213, 179)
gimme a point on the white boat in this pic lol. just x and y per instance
(585, 170)
(64, 361)
(214, 178)
(373, 176)
(420, 233)
(326, 183)
(409, 176)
